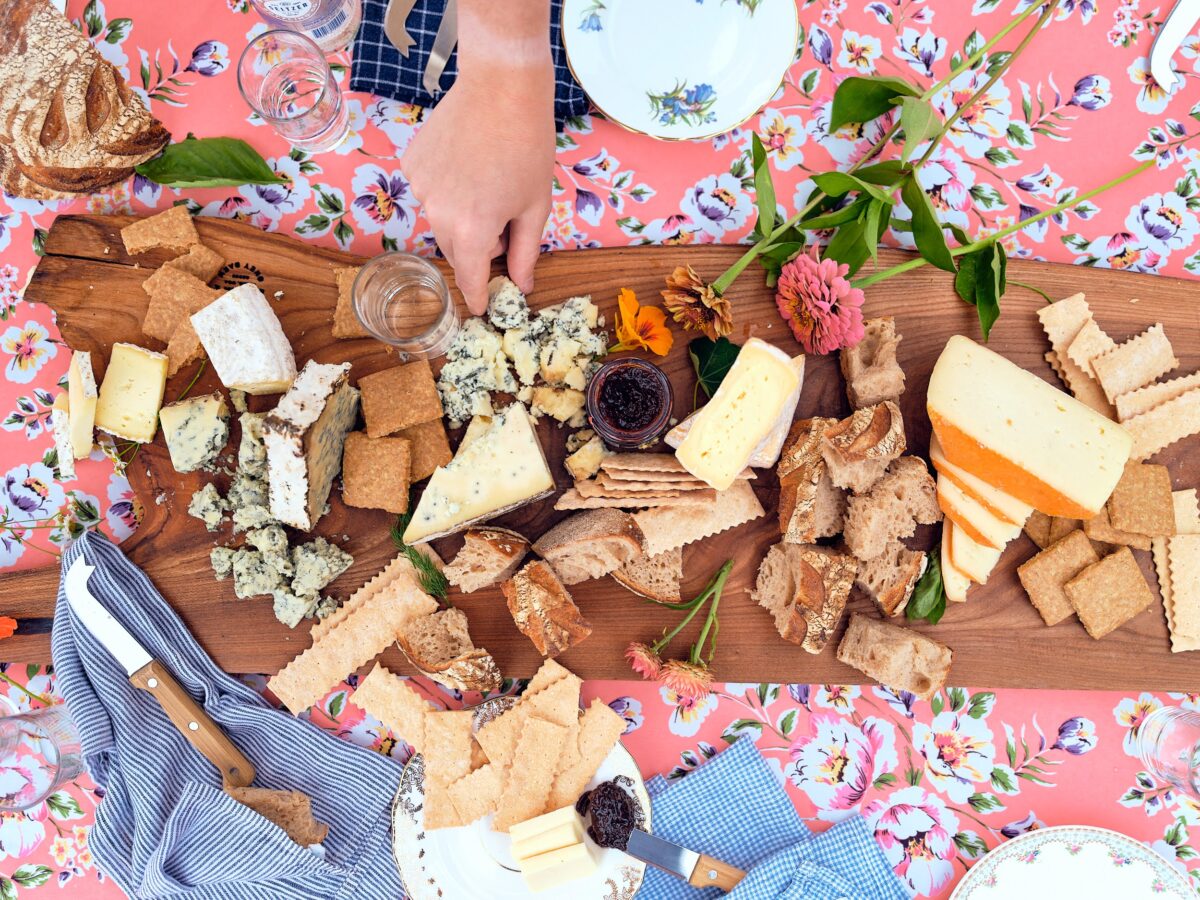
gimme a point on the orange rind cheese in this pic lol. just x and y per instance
(973, 518)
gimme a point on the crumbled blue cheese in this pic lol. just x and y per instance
(248, 499)
(475, 366)
(272, 542)
(253, 576)
(506, 304)
(317, 564)
(252, 451)
(222, 561)
(290, 608)
(208, 506)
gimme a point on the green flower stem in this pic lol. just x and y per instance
(711, 621)
(715, 585)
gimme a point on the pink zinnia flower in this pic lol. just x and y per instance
(643, 660)
(690, 680)
(818, 303)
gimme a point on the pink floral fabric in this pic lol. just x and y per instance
(939, 782)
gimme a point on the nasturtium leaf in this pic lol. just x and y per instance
(712, 361)
(863, 98)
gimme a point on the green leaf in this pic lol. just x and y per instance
(884, 780)
(751, 728)
(982, 281)
(781, 253)
(837, 183)
(32, 876)
(912, 776)
(432, 581)
(937, 704)
(712, 361)
(787, 722)
(927, 231)
(849, 246)
(928, 599)
(958, 699)
(847, 213)
(1003, 781)
(887, 173)
(874, 224)
(959, 235)
(117, 30)
(861, 99)
(209, 162)
(980, 704)
(8, 890)
(764, 189)
(985, 803)
(336, 704)
(920, 122)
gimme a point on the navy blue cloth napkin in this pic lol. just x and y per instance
(734, 809)
(378, 68)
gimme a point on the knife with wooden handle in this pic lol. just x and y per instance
(152, 676)
(697, 869)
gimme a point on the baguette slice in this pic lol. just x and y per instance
(544, 610)
(489, 556)
(805, 589)
(891, 577)
(590, 544)
(896, 657)
(440, 646)
(656, 578)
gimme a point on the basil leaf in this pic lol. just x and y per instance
(712, 361)
(927, 231)
(849, 246)
(928, 601)
(209, 162)
(764, 189)
(919, 121)
(837, 183)
(887, 173)
(859, 99)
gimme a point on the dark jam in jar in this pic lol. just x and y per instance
(629, 403)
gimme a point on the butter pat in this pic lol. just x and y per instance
(551, 831)
(196, 430)
(558, 867)
(242, 336)
(132, 393)
(1021, 435)
(81, 396)
(727, 431)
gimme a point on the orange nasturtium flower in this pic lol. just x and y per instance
(8, 626)
(641, 327)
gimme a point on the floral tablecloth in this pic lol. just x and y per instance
(940, 782)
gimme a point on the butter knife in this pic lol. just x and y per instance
(443, 45)
(395, 20)
(696, 869)
(1175, 30)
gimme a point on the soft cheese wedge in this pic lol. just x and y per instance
(743, 412)
(502, 468)
(970, 557)
(132, 393)
(1025, 437)
(60, 427)
(242, 336)
(81, 397)
(999, 504)
(972, 517)
(954, 582)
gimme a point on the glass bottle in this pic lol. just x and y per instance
(332, 24)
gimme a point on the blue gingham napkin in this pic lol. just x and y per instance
(734, 809)
(378, 67)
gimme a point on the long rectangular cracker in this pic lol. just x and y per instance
(558, 702)
(1145, 399)
(389, 698)
(571, 499)
(531, 774)
(590, 488)
(607, 481)
(1081, 385)
(668, 529)
(599, 729)
(1180, 643)
(643, 462)
(447, 748)
(1187, 511)
(397, 568)
(656, 477)
(1136, 363)
(1092, 341)
(1165, 424)
(1062, 321)
(476, 794)
(1183, 555)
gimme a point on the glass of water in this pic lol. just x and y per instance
(283, 76)
(1169, 744)
(39, 752)
(403, 300)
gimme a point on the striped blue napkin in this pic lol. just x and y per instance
(165, 828)
(734, 809)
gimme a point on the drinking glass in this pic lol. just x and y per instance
(403, 300)
(39, 752)
(283, 76)
(331, 23)
(1169, 744)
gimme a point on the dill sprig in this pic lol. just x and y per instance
(433, 582)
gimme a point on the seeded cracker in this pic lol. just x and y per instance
(398, 398)
(1110, 593)
(1136, 363)
(388, 698)
(1165, 424)
(171, 229)
(1101, 529)
(429, 448)
(1183, 554)
(1044, 576)
(398, 568)
(531, 774)
(375, 472)
(1153, 395)
(201, 261)
(673, 478)
(345, 322)
(667, 529)
(571, 499)
(644, 462)
(606, 481)
(1037, 527)
(174, 295)
(1141, 502)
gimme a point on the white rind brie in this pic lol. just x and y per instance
(242, 336)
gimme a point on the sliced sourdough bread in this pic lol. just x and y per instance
(590, 544)
(857, 450)
(544, 610)
(891, 510)
(489, 555)
(440, 646)
(656, 578)
(891, 577)
(896, 657)
(805, 589)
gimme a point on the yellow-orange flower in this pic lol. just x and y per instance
(641, 327)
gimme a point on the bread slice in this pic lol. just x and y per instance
(810, 505)
(590, 544)
(891, 576)
(870, 369)
(894, 656)
(891, 510)
(290, 810)
(544, 610)
(440, 646)
(489, 556)
(858, 450)
(656, 578)
(805, 589)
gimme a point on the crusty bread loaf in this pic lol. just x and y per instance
(891, 510)
(290, 810)
(544, 610)
(590, 544)
(896, 657)
(858, 450)
(656, 578)
(870, 369)
(805, 589)
(440, 646)
(68, 122)
(890, 577)
(489, 555)
(810, 505)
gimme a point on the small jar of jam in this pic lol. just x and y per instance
(629, 403)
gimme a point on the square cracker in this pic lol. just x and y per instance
(1141, 502)
(399, 398)
(1183, 554)
(375, 472)
(1136, 363)
(669, 529)
(428, 449)
(1153, 395)
(1088, 344)
(476, 794)
(1165, 424)
(1060, 528)
(1044, 575)
(201, 261)
(531, 775)
(1110, 593)
(1100, 529)
(599, 730)
(171, 229)
(345, 322)
(174, 296)
(389, 698)
(1037, 528)
(448, 745)
(1187, 511)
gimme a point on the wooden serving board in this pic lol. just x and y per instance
(998, 638)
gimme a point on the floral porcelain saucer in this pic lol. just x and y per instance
(679, 69)
(1072, 861)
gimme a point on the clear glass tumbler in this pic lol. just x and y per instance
(403, 300)
(39, 752)
(1169, 745)
(284, 77)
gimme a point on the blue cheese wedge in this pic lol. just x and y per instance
(506, 304)
(242, 336)
(132, 393)
(254, 576)
(502, 469)
(304, 436)
(196, 430)
(60, 427)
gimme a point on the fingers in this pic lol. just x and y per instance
(524, 245)
(472, 268)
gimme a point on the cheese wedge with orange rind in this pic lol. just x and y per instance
(954, 582)
(1001, 505)
(970, 557)
(973, 518)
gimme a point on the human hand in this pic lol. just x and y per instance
(482, 165)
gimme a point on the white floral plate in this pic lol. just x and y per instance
(473, 862)
(1072, 861)
(679, 69)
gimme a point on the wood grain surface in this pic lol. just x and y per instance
(998, 638)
